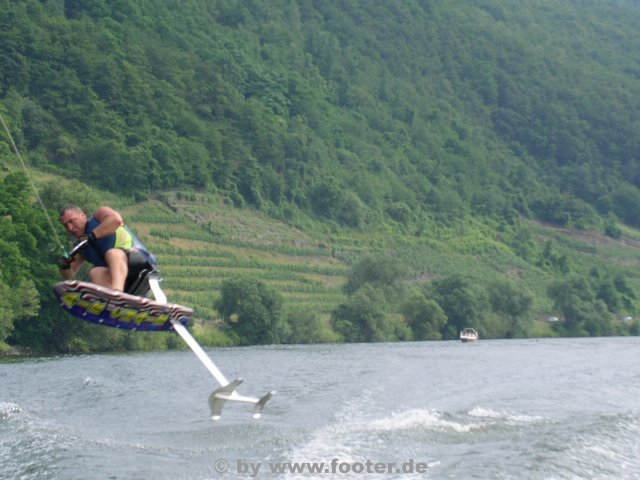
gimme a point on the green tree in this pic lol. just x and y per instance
(464, 303)
(513, 304)
(583, 313)
(21, 302)
(425, 318)
(56, 194)
(326, 198)
(305, 326)
(362, 317)
(550, 259)
(251, 310)
(24, 250)
(382, 272)
(614, 291)
(626, 204)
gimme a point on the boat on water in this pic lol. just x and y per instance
(468, 335)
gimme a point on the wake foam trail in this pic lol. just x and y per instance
(420, 419)
(415, 434)
(475, 419)
(506, 418)
(9, 409)
(343, 438)
(608, 446)
(354, 436)
(29, 446)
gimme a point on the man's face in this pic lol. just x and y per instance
(74, 222)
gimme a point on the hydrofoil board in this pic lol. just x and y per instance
(113, 308)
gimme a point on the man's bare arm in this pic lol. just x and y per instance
(110, 221)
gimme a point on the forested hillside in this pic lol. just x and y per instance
(458, 125)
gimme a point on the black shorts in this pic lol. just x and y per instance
(138, 263)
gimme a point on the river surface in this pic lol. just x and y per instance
(503, 409)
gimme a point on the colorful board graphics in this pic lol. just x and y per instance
(113, 308)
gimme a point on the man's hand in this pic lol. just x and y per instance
(89, 238)
(64, 262)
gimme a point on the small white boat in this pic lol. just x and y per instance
(468, 335)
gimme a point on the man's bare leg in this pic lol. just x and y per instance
(100, 276)
(118, 264)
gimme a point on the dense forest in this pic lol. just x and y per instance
(408, 116)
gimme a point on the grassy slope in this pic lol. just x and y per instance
(200, 241)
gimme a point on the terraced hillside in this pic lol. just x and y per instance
(200, 242)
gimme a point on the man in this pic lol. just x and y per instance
(116, 253)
